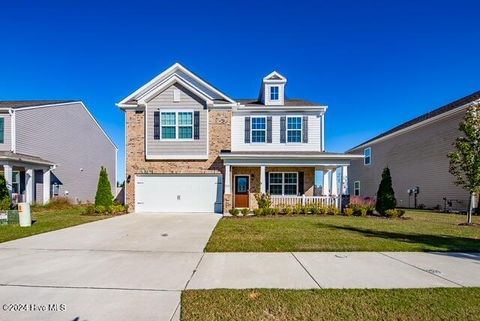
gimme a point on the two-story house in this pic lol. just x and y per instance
(192, 148)
(53, 148)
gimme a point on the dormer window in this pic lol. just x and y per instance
(274, 93)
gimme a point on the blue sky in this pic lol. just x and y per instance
(374, 63)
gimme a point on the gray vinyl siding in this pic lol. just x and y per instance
(188, 101)
(7, 134)
(68, 136)
(415, 158)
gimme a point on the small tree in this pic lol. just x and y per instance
(104, 194)
(385, 194)
(5, 201)
(465, 160)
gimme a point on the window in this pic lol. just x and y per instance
(294, 129)
(16, 182)
(274, 93)
(356, 188)
(283, 183)
(2, 130)
(259, 129)
(367, 153)
(177, 125)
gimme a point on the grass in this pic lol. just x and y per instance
(292, 305)
(46, 220)
(419, 231)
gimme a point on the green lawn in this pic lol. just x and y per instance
(407, 304)
(418, 231)
(45, 221)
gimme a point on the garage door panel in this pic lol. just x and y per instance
(178, 193)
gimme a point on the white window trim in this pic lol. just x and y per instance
(355, 188)
(176, 111)
(370, 156)
(301, 129)
(278, 93)
(19, 179)
(283, 183)
(251, 130)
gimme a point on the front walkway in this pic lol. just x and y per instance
(336, 270)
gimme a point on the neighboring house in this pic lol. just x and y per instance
(53, 141)
(416, 153)
(192, 148)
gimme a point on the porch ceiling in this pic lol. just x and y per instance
(21, 159)
(287, 158)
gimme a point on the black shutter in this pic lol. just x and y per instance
(269, 129)
(305, 129)
(267, 180)
(247, 130)
(156, 125)
(283, 129)
(196, 125)
(301, 189)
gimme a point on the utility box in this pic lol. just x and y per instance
(25, 218)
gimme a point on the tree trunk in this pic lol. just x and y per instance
(470, 208)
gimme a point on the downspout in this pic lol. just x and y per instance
(13, 138)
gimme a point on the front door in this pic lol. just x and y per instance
(242, 185)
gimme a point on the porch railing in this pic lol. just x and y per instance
(292, 200)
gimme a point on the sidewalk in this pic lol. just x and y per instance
(336, 270)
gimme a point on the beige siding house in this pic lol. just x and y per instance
(416, 153)
(192, 148)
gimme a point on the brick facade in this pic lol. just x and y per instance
(136, 163)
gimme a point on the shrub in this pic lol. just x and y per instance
(258, 211)
(348, 211)
(275, 211)
(322, 210)
(363, 211)
(263, 200)
(102, 210)
(393, 213)
(288, 210)
(315, 209)
(267, 211)
(245, 211)
(104, 196)
(332, 210)
(234, 211)
(361, 205)
(304, 209)
(5, 201)
(297, 209)
(385, 194)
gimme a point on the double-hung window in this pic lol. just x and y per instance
(356, 188)
(2, 130)
(177, 125)
(16, 182)
(274, 93)
(283, 183)
(367, 153)
(294, 129)
(259, 129)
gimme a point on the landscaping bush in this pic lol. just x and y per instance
(5, 201)
(245, 211)
(361, 206)
(393, 213)
(385, 194)
(288, 210)
(304, 210)
(297, 209)
(275, 211)
(263, 200)
(104, 210)
(332, 210)
(315, 209)
(258, 212)
(234, 211)
(104, 196)
(348, 211)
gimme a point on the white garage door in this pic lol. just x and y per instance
(178, 193)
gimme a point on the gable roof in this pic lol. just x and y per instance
(176, 73)
(462, 102)
(29, 103)
(274, 75)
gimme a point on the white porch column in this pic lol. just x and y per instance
(263, 181)
(326, 183)
(334, 182)
(46, 186)
(29, 179)
(345, 180)
(7, 171)
(228, 184)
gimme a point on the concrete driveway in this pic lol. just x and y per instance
(131, 267)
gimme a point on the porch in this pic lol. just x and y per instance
(289, 179)
(25, 176)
